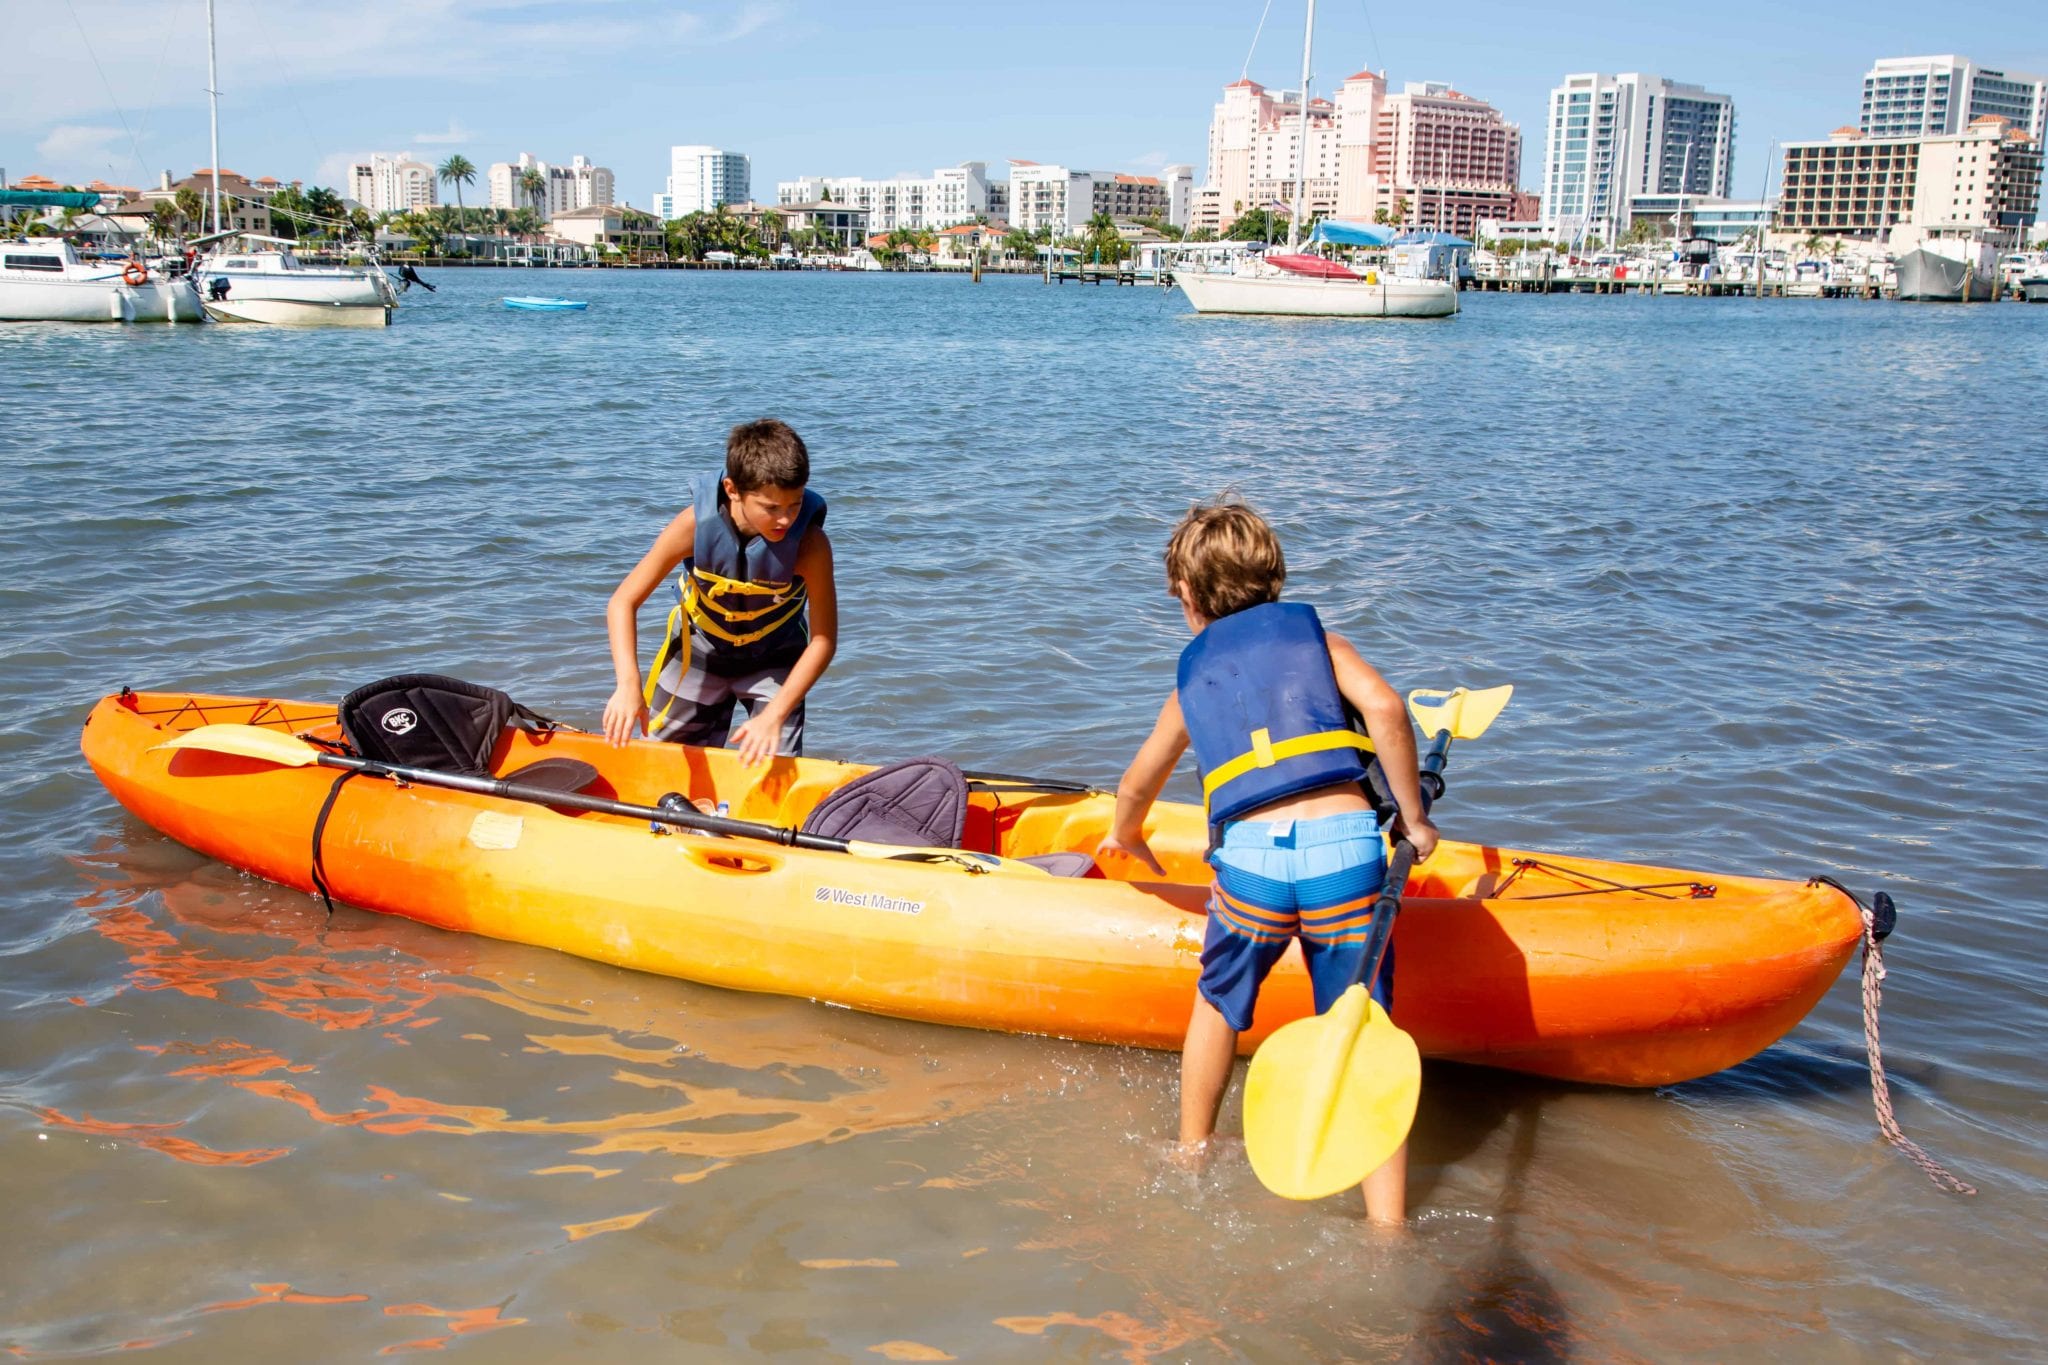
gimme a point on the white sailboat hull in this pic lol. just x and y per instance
(1290, 296)
(299, 285)
(299, 312)
(62, 300)
(164, 301)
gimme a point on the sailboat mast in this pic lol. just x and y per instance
(1308, 36)
(213, 113)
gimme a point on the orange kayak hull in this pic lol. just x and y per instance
(1559, 966)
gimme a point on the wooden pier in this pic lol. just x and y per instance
(1096, 274)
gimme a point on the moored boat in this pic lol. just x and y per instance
(1557, 965)
(1948, 270)
(299, 313)
(44, 279)
(539, 305)
(269, 284)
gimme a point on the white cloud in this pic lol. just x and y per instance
(1150, 161)
(141, 48)
(454, 137)
(86, 145)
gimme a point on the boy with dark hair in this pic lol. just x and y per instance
(1261, 695)
(756, 618)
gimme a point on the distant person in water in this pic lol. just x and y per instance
(1298, 851)
(755, 620)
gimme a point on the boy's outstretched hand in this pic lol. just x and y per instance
(1132, 847)
(625, 715)
(759, 738)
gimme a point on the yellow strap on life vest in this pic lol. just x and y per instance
(1264, 753)
(678, 641)
(713, 619)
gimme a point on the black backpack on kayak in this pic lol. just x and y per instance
(427, 720)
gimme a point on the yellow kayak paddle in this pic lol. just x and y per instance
(1328, 1099)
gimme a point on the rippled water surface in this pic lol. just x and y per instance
(1769, 578)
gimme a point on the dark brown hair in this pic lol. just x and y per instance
(1227, 555)
(766, 454)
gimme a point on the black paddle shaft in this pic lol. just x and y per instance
(684, 818)
(1389, 905)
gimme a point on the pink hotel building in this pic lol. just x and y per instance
(1449, 158)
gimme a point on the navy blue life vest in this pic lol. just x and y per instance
(740, 600)
(1263, 711)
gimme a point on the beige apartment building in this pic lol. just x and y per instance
(1986, 179)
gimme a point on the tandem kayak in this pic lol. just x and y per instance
(549, 305)
(1550, 964)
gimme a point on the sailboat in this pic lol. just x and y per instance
(1297, 284)
(43, 279)
(261, 280)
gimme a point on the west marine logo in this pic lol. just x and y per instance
(399, 721)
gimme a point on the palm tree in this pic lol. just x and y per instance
(536, 186)
(163, 216)
(457, 171)
(191, 205)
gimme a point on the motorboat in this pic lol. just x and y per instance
(265, 282)
(1949, 270)
(299, 312)
(534, 305)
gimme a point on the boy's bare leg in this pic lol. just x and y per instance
(1386, 1189)
(1206, 1060)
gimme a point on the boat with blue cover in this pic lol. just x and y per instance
(548, 305)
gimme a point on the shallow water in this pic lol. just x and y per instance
(1769, 579)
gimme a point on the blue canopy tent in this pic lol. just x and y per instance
(1432, 239)
(1341, 232)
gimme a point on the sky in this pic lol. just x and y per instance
(115, 89)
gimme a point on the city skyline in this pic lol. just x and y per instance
(306, 94)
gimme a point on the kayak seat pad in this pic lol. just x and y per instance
(429, 720)
(917, 803)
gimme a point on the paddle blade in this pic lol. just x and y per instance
(1329, 1099)
(1465, 714)
(247, 741)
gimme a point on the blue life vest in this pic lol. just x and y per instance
(739, 600)
(1263, 712)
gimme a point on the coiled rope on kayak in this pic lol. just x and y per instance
(1878, 918)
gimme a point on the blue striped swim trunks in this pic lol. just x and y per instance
(1276, 880)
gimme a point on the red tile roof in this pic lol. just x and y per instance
(1123, 179)
(1244, 85)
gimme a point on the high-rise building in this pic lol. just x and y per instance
(1985, 179)
(391, 184)
(1429, 156)
(1049, 196)
(564, 189)
(949, 195)
(1611, 138)
(701, 178)
(1921, 96)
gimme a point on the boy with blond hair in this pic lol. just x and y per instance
(1298, 854)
